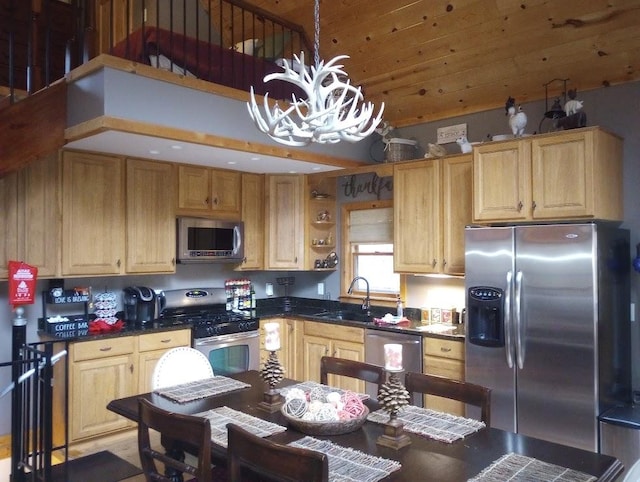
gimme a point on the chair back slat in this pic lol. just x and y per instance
(250, 456)
(352, 369)
(465, 392)
(177, 431)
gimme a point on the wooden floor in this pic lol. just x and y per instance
(124, 445)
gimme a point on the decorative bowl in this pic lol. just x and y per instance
(326, 428)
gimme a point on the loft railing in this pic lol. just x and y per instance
(42, 40)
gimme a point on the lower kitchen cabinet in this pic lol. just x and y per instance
(325, 339)
(151, 347)
(288, 353)
(105, 369)
(444, 358)
(100, 371)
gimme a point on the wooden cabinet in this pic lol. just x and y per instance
(151, 347)
(100, 371)
(29, 217)
(92, 214)
(575, 174)
(320, 217)
(206, 191)
(284, 230)
(41, 217)
(8, 222)
(432, 205)
(105, 369)
(150, 217)
(444, 358)
(288, 353)
(253, 218)
(325, 339)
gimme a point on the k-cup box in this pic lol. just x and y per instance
(447, 315)
(425, 315)
(436, 315)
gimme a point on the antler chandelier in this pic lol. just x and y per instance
(333, 111)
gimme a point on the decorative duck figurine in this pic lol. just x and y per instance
(465, 145)
(517, 120)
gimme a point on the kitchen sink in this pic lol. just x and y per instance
(346, 315)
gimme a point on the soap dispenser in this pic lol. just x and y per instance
(400, 308)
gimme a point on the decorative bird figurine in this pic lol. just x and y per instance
(465, 145)
(517, 120)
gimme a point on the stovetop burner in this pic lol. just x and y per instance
(205, 310)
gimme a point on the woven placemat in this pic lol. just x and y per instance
(317, 387)
(221, 416)
(515, 467)
(347, 464)
(207, 387)
(430, 423)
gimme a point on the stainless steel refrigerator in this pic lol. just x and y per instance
(548, 326)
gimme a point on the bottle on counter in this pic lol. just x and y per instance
(400, 308)
(253, 298)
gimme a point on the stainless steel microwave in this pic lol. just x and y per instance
(207, 240)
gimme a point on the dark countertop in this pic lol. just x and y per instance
(304, 308)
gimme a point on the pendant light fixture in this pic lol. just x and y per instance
(333, 110)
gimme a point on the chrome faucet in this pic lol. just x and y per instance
(366, 303)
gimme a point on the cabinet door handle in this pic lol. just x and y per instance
(166, 340)
(131, 368)
(533, 206)
(434, 263)
(118, 263)
(520, 205)
(444, 263)
(105, 348)
(215, 201)
(206, 201)
(326, 351)
(445, 350)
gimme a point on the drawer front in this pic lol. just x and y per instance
(164, 339)
(444, 348)
(89, 350)
(444, 367)
(334, 332)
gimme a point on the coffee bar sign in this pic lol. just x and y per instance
(366, 187)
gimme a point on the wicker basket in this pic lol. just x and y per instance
(326, 428)
(398, 149)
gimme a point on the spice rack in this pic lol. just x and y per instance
(321, 222)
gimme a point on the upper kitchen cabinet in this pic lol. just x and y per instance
(253, 219)
(431, 207)
(150, 217)
(40, 223)
(209, 192)
(320, 225)
(93, 224)
(29, 216)
(567, 175)
(284, 215)
(8, 222)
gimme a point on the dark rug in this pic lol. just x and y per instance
(99, 467)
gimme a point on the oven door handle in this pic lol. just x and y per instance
(223, 339)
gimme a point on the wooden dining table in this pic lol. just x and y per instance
(424, 459)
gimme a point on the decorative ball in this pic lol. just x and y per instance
(317, 393)
(327, 413)
(296, 407)
(315, 406)
(296, 393)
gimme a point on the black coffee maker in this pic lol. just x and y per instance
(140, 304)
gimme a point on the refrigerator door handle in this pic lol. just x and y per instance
(518, 321)
(508, 348)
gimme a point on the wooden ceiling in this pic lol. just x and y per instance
(434, 59)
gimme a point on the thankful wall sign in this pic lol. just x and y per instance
(367, 186)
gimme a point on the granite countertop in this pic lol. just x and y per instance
(305, 308)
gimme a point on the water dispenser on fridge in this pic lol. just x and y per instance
(485, 316)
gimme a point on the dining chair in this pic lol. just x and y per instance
(352, 369)
(180, 431)
(465, 392)
(252, 458)
(180, 365)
